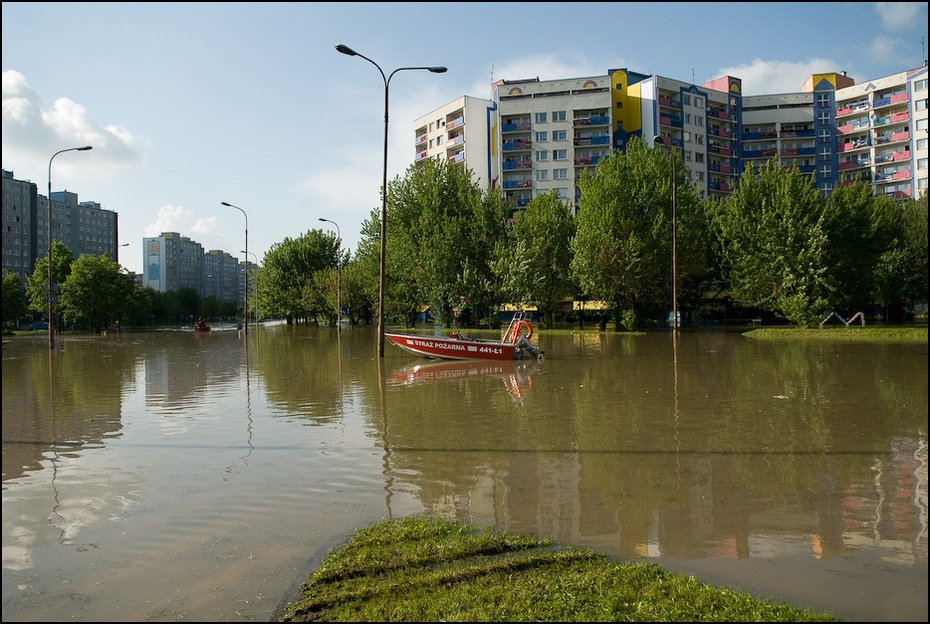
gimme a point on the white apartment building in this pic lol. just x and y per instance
(882, 133)
(457, 128)
(539, 136)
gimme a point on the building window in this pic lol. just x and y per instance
(562, 174)
(541, 118)
(920, 85)
(920, 105)
(686, 99)
(542, 137)
(560, 154)
(921, 163)
(558, 115)
(699, 120)
(562, 193)
(542, 175)
(542, 155)
(826, 152)
(559, 135)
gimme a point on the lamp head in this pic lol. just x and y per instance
(85, 148)
(344, 49)
(658, 139)
(438, 70)
(226, 204)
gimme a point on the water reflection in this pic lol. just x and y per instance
(226, 465)
(517, 376)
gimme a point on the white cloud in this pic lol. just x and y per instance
(32, 132)
(901, 15)
(887, 50)
(761, 76)
(172, 219)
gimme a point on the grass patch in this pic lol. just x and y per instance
(433, 570)
(910, 335)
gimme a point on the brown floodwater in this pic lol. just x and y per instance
(176, 476)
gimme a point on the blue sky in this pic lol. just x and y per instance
(188, 105)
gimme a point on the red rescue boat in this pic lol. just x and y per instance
(514, 344)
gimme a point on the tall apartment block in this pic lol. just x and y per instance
(446, 131)
(84, 227)
(173, 262)
(533, 137)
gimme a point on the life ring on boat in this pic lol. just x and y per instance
(518, 329)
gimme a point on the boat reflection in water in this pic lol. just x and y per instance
(516, 375)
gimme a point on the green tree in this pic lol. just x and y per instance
(533, 260)
(37, 286)
(901, 272)
(622, 248)
(287, 286)
(14, 298)
(442, 232)
(95, 294)
(775, 245)
(859, 227)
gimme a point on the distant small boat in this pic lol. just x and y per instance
(512, 346)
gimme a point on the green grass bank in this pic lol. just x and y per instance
(434, 570)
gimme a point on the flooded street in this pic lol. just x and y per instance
(173, 476)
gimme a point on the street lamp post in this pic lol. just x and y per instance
(245, 289)
(658, 139)
(258, 309)
(49, 295)
(338, 270)
(387, 82)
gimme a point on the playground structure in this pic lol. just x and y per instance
(847, 323)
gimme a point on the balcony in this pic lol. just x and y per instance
(515, 184)
(593, 120)
(598, 140)
(511, 165)
(516, 145)
(519, 126)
